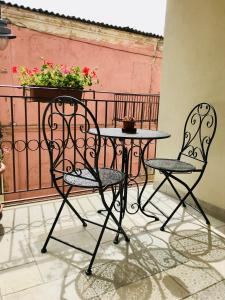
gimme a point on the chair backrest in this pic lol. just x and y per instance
(66, 122)
(199, 131)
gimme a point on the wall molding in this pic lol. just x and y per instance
(75, 30)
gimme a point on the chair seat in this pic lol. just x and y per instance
(85, 179)
(172, 165)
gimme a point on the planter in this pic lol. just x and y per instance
(128, 127)
(43, 94)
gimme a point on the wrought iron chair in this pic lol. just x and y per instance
(199, 131)
(74, 161)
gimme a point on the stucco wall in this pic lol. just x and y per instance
(126, 62)
(194, 71)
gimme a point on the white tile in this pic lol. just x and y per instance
(158, 287)
(108, 235)
(192, 277)
(219, 230)
(19, 278)
(61, 260)
(200, 245)
(56, 290)
(216, 291)
(14, 250)
(184, 259)
(116, 252)
(106, 279)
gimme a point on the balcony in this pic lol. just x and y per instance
(187, 261)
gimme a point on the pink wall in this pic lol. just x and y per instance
(120, 69)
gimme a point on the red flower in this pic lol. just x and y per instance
(29, 72)
(49, 63)
(86, 70)
(14, 69)
(94, 75)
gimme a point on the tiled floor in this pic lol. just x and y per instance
(187, 261)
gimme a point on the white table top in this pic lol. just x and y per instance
(140, 134)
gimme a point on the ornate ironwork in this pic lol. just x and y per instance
(137, 145)
(22, 134)
(199, 131)
(82, 169)
(66, 113)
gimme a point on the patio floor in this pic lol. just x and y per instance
(185, 262)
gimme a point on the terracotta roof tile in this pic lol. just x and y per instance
(127, 29)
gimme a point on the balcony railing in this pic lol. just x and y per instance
(27, 174)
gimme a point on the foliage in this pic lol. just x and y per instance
(56, 75)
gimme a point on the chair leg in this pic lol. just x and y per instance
(122, 211)
(190, 192)
(88, 271)
(175, 190)
(178, 206)
(44, 248)
(200, 208)
(155, 191)
(76, 213)
(65, 200)
(119, 223)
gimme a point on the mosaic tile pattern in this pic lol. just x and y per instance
(187, 261)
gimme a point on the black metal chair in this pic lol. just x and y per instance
(199, 131)
(74, 161)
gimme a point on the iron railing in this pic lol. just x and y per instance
(27, 174)
(142, 107)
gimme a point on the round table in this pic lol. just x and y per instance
(141, 134)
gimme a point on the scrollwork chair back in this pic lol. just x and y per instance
(199, 131)
(66, 122)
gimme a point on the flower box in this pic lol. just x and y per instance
(42, 94)
(52, 80)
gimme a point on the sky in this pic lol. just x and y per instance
(144, 15)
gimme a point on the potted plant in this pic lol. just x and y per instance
(129, 125)
(52, 80)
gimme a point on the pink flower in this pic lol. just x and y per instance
(86, 70)
(14, 69)
(35, 70)
(64, 69)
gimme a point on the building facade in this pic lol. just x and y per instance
(127, 60)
